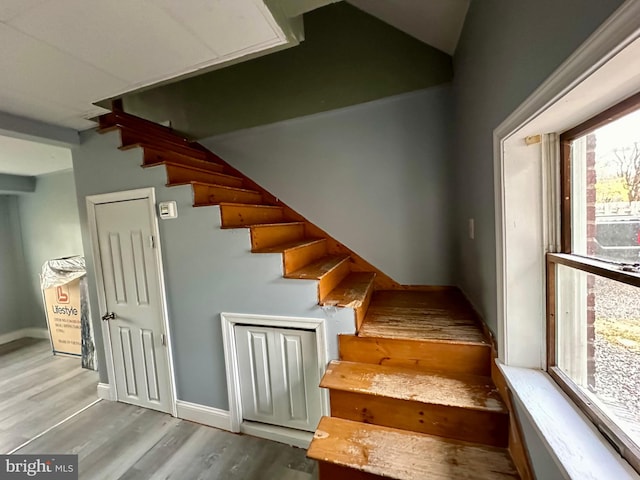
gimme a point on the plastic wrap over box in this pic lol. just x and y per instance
(64, 288)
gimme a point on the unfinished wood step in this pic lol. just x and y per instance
(357, 451)
(154, 156)
(464, 407)
(117, 119)
(134, 138)
(206, 194)
(235, 215)
(354, 291)
(268, 235)
(180, 174)
(329, 270)
(418, 354)
(443, 315)
(298, 254)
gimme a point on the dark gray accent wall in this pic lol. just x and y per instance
(348, 57)
(507, 49)
(50, 229)
(376, 177)
(12, 281)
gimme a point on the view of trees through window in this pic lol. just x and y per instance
(599, 330)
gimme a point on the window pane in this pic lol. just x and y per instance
(605, 191)
(598, 342)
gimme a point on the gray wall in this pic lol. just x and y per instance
(50, 229)
(375, 176)
(506, 50)
(12, 280)
(207, 270)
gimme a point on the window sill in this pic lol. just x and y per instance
(577, 447)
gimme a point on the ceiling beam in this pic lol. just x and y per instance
(28, 129)
(13, 184)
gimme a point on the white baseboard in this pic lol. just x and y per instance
(212, 417)
(24, 333)
(296, 438)
(105, 393)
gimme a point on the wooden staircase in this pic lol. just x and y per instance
(412, 395)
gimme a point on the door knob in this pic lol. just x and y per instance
(108, 316)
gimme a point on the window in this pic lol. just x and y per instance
(593, 285)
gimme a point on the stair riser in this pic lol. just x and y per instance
(361, 311)
(421, 355)
(239, 216)
(299, 257)
(489, 428)
(130, 139)
(333, 278)
(269, 236)
(153, 157)
(330, 471)
(177, 175)
(205, 195)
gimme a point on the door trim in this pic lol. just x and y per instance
(229, 321)
(138, 194)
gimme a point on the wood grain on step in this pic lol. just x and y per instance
(440, 315)
(269, 235)
(235, 215)
(177, 174)
(298, 253)
(405, 455)
(330, 270)
(454, 390)
(355, 292)
(205, 194)
(155, 156)
(417, 354)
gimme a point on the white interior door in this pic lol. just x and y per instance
(132, 291)
(279, 376)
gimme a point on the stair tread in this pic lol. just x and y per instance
(195, 169)
(402, 383)
(249, 205)
(202, 164)
(403, 455)
(442, 315)
(290, 245)
(213, 185)
(319, 268)
(352, 291)
(273, 224)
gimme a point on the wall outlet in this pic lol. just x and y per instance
(472, 229)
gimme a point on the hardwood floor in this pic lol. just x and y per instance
(120, 441)
(38, 390)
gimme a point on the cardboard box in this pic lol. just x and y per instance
(64, 315)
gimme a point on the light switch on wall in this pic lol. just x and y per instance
(472, 229)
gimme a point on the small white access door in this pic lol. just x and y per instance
(129, 276)
(279, 376)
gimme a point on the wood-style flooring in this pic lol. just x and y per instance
(120, 441)
(39, 390)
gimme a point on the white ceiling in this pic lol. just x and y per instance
(24, 157)
(60, 56)
(434, 22)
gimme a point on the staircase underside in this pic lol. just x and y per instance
(411, 396)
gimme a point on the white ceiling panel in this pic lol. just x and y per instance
(58, 57)
(22, 157)
(136, 41)
(45, 71)
(225, 26)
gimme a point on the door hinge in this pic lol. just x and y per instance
(163, 339)
(152, 241)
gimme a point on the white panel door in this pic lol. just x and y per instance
(133, 301)
(279, 376)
